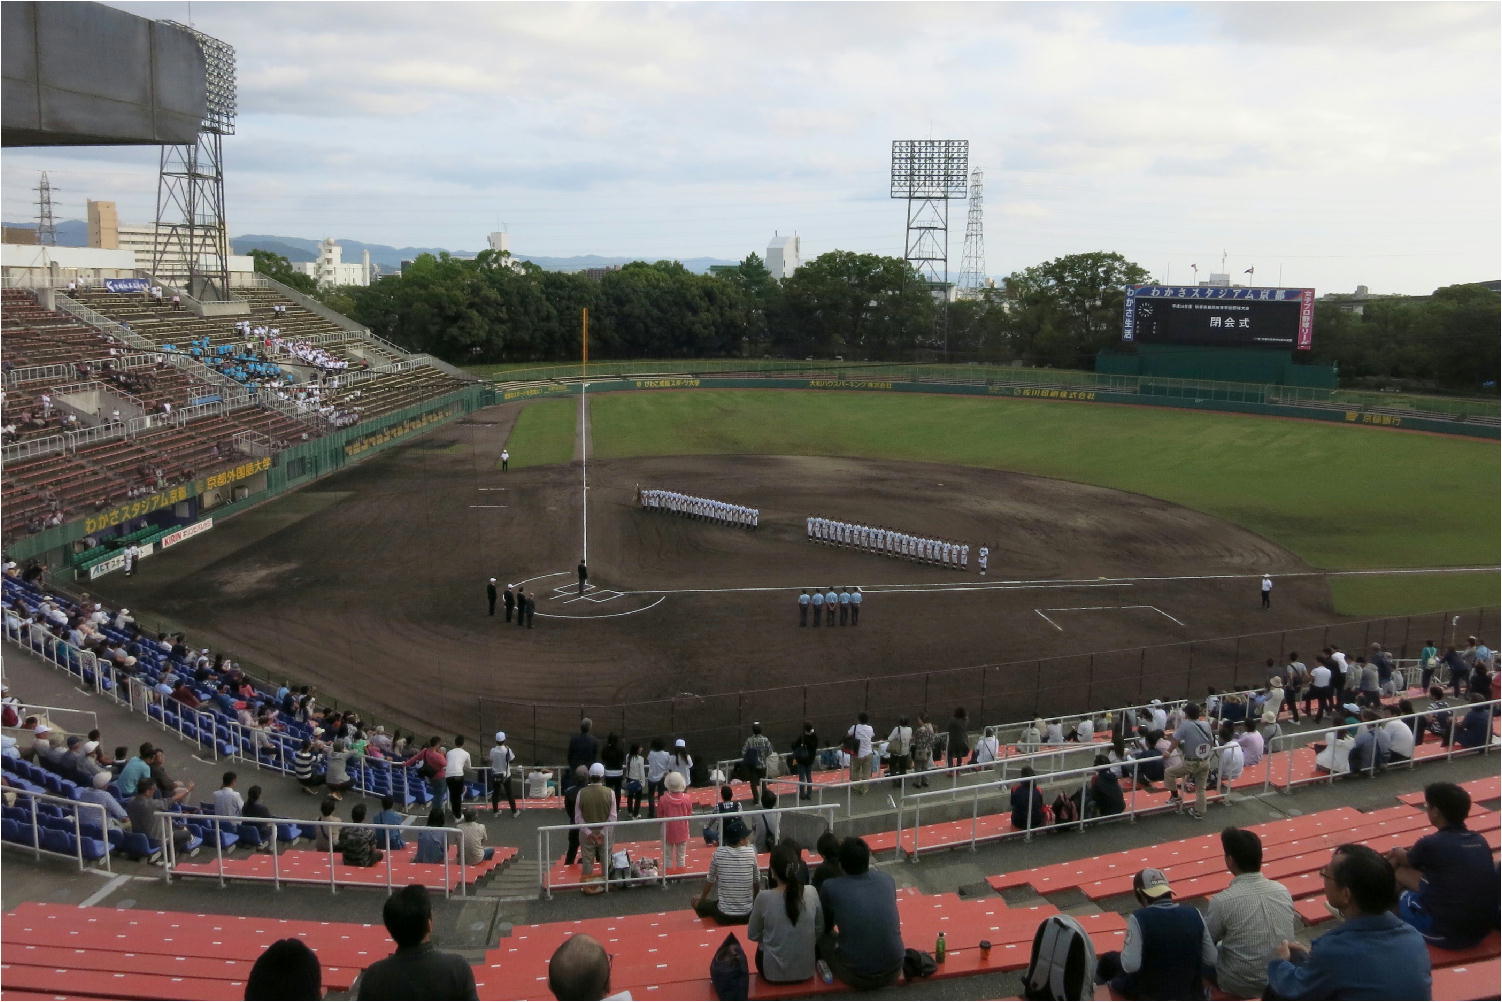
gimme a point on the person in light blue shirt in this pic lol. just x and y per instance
(1373, 954)
(136, 770)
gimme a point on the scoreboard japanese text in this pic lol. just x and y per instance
(1219, 316)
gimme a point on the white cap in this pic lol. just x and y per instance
(500, 736)
(125, 612)
(492, 580)
(89, 746)
(598, 769)
(100, 780)
(42, 729)
(680, 743)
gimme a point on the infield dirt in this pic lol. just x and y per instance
(370, 585)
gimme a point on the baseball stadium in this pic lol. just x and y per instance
(271, 595)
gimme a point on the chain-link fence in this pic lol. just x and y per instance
(715, 725)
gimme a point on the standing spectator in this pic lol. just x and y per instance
(805, 751)
(1321, 692)
(584, 747)
(859, 739)
(1428, 661)
(659, 762)
(574, 782)
(431, 763)
(1248, 919)
(302, 766)
(786, 926)
(456, 768)
(636, 780)
(415, 970)
(1195, 742)
(733, 877)
(862, 941)
(472, 840)
(501, 758)
(1166, 950)
(1448, 878)
(817, 602)
(675, 804)
(1297, 682)
(1267, 591)
(1373, 954)
(899, 745)
(923, 748)
(595, 808)
(958, 746)
(357, 841)
(754, 754)
(508, 599)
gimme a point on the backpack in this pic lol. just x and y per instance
(751, 757)
(1062, 965)
(728, 971)
(1207, 750)
(1065, 810)
(803, 751)
(851, 743)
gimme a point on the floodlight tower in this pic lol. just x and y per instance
(928, 173)
(973, 263)
(46, 225)
(192, 244)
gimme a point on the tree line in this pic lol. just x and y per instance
(864, 307)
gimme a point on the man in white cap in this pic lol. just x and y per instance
(1267, 590)
(594, 808)
(1173, 936)
(122, 619)
(501, 758)
(95, 793)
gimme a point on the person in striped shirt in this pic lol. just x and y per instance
(733, 877)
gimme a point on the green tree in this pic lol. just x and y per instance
(855, 305)
(276, 267)
(1066, 310)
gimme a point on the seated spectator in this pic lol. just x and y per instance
(255, 809)
(472, 839)
(97, 793)
(1448, 879)
(862, 940)
(1166, 950)
(733, 877)
(1027, 802)
(143, 808)
(1149, 756)
(336, 772)
(1031, 738)
(1251, 741)
(1249, 919)
(227, 800)
(786, 920)
(1106, 797)
(136, 769)
(390, 838)
(580, 969)
(326, 831)
(1373, 954)
(1369, 752)
(432, 842)
(828, 848)
(765, 828)
(1231, 761)
(1399, 734)
(988, 748)
(1335, 756)
(415, 970)
(164, 782)
(1476, 728)
(357, 841)
(287, 969)
(302, 766)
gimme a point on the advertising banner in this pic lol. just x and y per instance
(125, 284)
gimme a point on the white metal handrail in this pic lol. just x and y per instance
(220, 822)
(76, 806)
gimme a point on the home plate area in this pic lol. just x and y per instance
(560, 594)
(1072, 613)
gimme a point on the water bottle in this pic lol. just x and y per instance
(940, 948)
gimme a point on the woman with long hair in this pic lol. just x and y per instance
(786, 920)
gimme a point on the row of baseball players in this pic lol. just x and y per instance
(890, 542)
(704, 508)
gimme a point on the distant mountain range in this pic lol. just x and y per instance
(75, 233)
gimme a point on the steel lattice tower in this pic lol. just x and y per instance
(973, 265)
(192, 243)
(46, 225)
(929, 173)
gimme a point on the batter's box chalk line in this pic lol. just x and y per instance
(1100, 608)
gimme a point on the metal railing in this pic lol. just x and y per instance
(76, 806)
(1289, 745)
(33, 373)
(46, 712)
(546, 859)
(217, 823)
(85, 666)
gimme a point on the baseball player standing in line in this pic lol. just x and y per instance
(981, 556)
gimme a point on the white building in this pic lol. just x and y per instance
(330, 269)
(501, 243)
(783, 256)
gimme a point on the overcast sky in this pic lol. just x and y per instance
(1331, 143)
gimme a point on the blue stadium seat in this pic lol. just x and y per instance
(59, 842)
(138, 845)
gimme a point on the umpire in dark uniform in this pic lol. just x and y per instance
(521, 607)
(583, 576)
(490, 595)
(510, 601)
(531, 610)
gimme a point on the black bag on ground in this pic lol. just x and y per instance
(918, 964)
(1062, 965)
(728, 970)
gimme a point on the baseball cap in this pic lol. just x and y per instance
(500, 736)
(42, 729)
(101, 780)
(492, 580)
(1152, 883)
(680, 743)
(1352, 709)
(1275, 682)
(89, 747)
(598, 769)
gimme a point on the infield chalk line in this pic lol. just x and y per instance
(1101, 608)
(608, 615)
(1050, 622)
(490, 506)
(491, 488)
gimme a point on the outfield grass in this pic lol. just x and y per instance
(1340, 497)
(1408, 593)
(545, 432)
